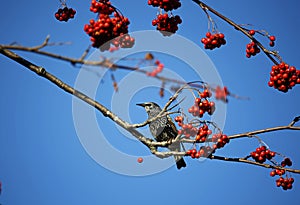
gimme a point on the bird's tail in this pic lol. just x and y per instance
(179, 160)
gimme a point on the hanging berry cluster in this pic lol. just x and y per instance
(203, 133)
(261, 154)
(166, 5)
(200, 131)
(212, 41)
(188, 130)
(111, 24)
(252, 49)
(204, 151)
(166, 23)
(64, 14)
(284, 77)
(287, 182)
(219, 141)
(202, 105)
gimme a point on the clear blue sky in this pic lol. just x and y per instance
(42, 160)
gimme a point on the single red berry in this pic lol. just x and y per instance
(221, 35)
(252, 32)
(197, 101)
(272, 173)
(272, 38)
(140, 160)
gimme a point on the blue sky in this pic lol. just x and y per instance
(42, 159)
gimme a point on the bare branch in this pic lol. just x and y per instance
(67, 88)
(106, 63)
(256, 132)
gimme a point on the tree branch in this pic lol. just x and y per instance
(67, 88)
(244, 160)
(152, 145)
(106, 63)
(239, 28)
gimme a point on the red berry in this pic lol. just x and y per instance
(140, 160)
(252, 32)
(272, 38)
(272, 173)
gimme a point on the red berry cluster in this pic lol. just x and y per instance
(272, 40)
(220, 139)
(278, 172)
(284, 77)
(158, 69)
(213, 41)
(286, 183)
(65, 14)
(102, 6)
(252, 49)
(221, 93)
(108, 27)
(261, 154)
(203, 133)
(204, 151)
(166, 24)
(286, 162)
(123, 41)
(188, 130)
(167, 5)
(113, 49)
(179, 119)
(202, 105)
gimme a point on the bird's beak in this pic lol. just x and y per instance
(141, 104)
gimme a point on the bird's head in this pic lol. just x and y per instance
(151, 108)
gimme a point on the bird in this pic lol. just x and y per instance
(163, 129)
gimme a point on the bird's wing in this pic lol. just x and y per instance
(172, 126)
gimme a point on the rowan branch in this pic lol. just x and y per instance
(67, 88)
(244, 160)
(268, 53)
(104, 62)
(272, 129)
(152, 145)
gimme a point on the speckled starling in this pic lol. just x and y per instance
(163, 129)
